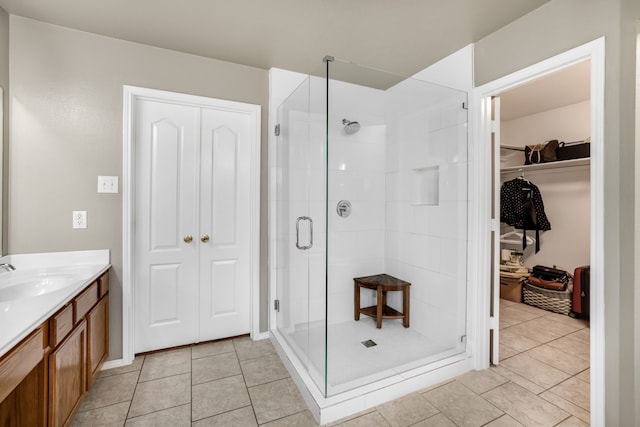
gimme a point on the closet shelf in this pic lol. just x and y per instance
(550, 165)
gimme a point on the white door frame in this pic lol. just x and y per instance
(130, 95)
(595, 52)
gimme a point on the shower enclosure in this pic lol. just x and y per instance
(370, 177)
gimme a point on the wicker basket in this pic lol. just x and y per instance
(547, 299)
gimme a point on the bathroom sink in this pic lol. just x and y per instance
(33, 285)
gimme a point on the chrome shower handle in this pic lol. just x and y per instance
(304, 218)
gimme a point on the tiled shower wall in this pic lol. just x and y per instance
(426, 206)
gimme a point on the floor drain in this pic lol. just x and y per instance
(369, 343)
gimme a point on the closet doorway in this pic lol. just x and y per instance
(194, 242)
(554, 356)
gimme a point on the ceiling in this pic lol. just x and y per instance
(562, 88)
(400, 36)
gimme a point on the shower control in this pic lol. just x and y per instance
(343, 208)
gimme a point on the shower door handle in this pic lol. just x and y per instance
(304, 218)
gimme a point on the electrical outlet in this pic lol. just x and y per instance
(79, 219)
(107, 184)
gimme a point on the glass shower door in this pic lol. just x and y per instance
(300, 214)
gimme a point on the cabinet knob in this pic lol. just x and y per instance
(188, 238)
(204, 238)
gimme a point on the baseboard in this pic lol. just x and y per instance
(261, 336)
(111, 364)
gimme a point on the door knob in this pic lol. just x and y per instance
(204, 238)
(188, 238)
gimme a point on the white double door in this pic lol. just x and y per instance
(192, 225)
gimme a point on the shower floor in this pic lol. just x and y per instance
(351, 364)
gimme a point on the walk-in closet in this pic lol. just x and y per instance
(543, 195)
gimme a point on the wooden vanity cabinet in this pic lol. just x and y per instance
(97, 338)
(44, 379)
(74, 364)
(67, 376)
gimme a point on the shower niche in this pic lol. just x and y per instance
(396, 149)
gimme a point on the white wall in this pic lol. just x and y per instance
(569, 123)
(66, 129)
(565, 191)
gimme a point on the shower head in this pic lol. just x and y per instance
(350, 127)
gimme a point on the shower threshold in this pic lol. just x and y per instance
(374, 390)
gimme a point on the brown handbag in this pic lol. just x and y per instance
(541, 153)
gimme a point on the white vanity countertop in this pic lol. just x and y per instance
(19, 317)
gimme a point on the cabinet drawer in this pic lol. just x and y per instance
(61, 324)
(17, 364)
(87, 299)
(103, 284)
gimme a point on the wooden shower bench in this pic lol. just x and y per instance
(382, 283)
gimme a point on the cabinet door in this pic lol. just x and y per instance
(97, 338)
(67, 370)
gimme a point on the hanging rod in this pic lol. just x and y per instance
(508, 147)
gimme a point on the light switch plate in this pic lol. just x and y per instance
(79, 219)
(107, 184)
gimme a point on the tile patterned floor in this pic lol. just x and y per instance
(542, 380)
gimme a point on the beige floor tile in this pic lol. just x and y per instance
(504, 421)
(533, 331)
(135, 366)
(249, 349)
(585, 376)
(180, 416)
(372, 419)
(505, 322)
(211, 368)
(575, 391)
(518, 379)
(301, 419)
(538, 312)
(524, 406)
(238, 417)
(506, 303)
(516, 313)
(560, 318)
(264, 369)
(107, 415)
(438, 420)
(551, 323)
(407, 410)
(506, 351)
(481, 381)
(573, 422)
(212, 348)
(566, 406)
(351, 417)
(110, 390)
(573, 346)
(558, 359)
(516, 340)
(276, 400)
(462, 406)
(216, 397)
(535, 371)
(166, 364)
(160, 394)
(582, 335)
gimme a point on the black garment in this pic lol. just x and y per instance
(521, 207)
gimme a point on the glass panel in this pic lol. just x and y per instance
(301, 229)
(397, 156)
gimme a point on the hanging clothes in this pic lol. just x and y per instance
(521, 206)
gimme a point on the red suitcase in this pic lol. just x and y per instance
(581, 291)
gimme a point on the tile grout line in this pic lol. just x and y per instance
(245, 382)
